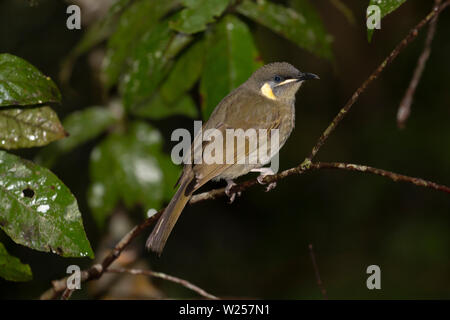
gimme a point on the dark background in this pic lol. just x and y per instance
(258, 246)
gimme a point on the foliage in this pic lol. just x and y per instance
(160, 56)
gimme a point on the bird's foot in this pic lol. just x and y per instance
(231, 195)
(264, 172)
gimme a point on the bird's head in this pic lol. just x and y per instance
(278, 81)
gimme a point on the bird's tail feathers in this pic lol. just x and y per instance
(157, 239)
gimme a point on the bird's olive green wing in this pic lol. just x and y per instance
(242, 110)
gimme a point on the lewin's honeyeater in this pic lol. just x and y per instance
(265, 101)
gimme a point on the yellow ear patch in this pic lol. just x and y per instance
(266, 90)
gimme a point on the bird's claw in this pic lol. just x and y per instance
(231, 195)
(270, 186)
(264, 172)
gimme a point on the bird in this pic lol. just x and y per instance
(265, 101)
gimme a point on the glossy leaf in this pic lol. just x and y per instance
(29, 127)
(38, 211)
(184, 74)
(303, 28)
(131, 168)
(231, 58)
(158, 108)
(150, 64)
(11, 268)
(386, 7)
(197, 14)
(81, 126)
(137, 19)
(22, 84)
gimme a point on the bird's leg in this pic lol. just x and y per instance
(231, 195)
(263, 172)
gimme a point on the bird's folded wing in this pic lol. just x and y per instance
(253, 112)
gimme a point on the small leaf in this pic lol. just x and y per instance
(158, 108)
(29, 127)
(82, 126)
(11, 268)
(231, 58)
(303, 28)
(131, 168)
(150, 64)
(23, 84)
(38, 211)
(138, 19)
(197, 14)
(386, 7)
(185, 73)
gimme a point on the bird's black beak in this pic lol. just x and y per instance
(307, 76)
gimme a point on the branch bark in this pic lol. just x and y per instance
(167, 277)
(404, 108)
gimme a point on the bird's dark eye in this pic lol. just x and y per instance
(277, 78)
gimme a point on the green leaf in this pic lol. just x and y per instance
(158, 108)
(11, 268)
(304, 28)
(96, 33)
(29, 127)
(23, 84)
(140, 18)
(185, 73)
(197, 14)
(131, 168)
(386, 7)
(81, 126)
(231, 58)
(150, 64)
(38, 211)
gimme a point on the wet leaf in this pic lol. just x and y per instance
(130, 168)
(138, 19)
(386, 7)
(150, 64)
(185, 73)
(29, 127)
(158, 108)
(23, 84)
(231, 58)
(304, 28)
(197, 14)
(38, 211)
(81, 126)
(11, 268)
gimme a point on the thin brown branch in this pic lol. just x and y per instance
(66, 294)
(167, 277)
(404, 109)
(391, 57)
(316, 271)
(380, 172)
(97, 270)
